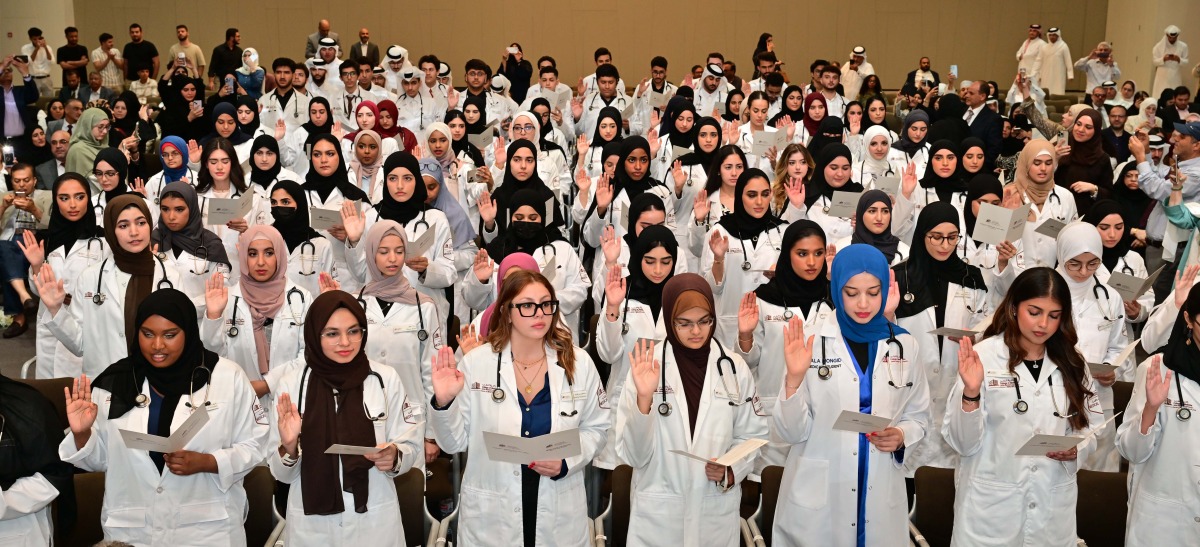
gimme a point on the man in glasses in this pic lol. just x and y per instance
(51, 169)
(479, 75)
(344, 101)
(416, 109)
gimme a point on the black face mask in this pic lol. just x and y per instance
(526, 230)
(283, 213)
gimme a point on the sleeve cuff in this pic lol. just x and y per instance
(433, 404)
(562, 473)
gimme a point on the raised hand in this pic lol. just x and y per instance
(468, 339)
(1183, 284)
(193, 150)
(139, 187)
(655, 143)
(487, 210)
(448, 381)
(280, 129)
(604, 194)
(418, 152)
(970, 368)
(1158, 388)
(796, 193)
(719, 245)
(51, 288)
(700, 206)
(830, 254)
(908, 181)
(610, 245)
(644, 369)
(730, 132)
(216, 296)
(642, 86)
(338, 131)
(614, 288)
(289, 422)
(748, 315)
(678, 175)
(893, 299)
(326, 283)
(797, 351)
(483, 266)
(581, 147)
(583, 183)
(577, 107)
(500, 151)
(353, 222)
(35, 251)
(81, 411)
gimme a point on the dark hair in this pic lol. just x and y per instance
(105, 36)
(350, 66)
(607, 71)
(301, 67)
(1183, 90)
(69, 30)
(429, 59)
(477, 64)
(230, 33)
(237, 178)
(773, 79)
(282, 62)
(768, 56)
(755, 96)
(184, 27)
(364, 62)
(716, 54)
(601, 51)
(1044, 282)
(135, 26)
(658, 61)
(545, 58)
(762, 41)
(21, 166)
(714, 171)
(817, 64)
(732, 65)
(1124, 111)
(34, 32)
(830, 69)
(548, 70)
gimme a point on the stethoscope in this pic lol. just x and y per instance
(422, 334)
(162, 181)
(1184, 413)
(592, 103)
(1097, 288)
(862, 171)
(421, 111)
(498, 394)
(745, 257)
(232, 332)
(825, 373)
(100, 297)
(373, 417)
(143, 400)
(202, 259)
(735, 395)
(1021, 407)
(311, 258)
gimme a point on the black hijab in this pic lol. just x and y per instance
(194, 238)
(729, 114)
(623, 181)
(885, 242)
(796, 115)
(926, 278)
(1112, 256)
(226, 109)
(608, 112)
(324, 186)
(829, 131)
(117, 161)
(741, 224)
(292, 222)
(32, 432)
(248, 102)
(463, 145)
(262, 177)
(312, 128)
(124, 127)
(980, 185)
(698, 156)
(906, 145)
(1180, 354)
(523, 236)
(965, 146)
(1136, 206)
(787, 289)
(817, 186)
(504, 193)
(640, 287)
(64, 233)
(637, 206)
(675, 108)
(948, 186)
(403, 211)
(480, 102)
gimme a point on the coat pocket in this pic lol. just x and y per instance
(132, 517)
(810, 489)
(208, 511)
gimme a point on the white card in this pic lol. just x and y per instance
(1131, 287)
(1039, 445)
(678, 152)
(947, 331)
(520, 450)
(996, 224)
(1127, 352)
(1101, 368)
(221, 211)
(559, 100)
(734, 455)
(420, 246)
(481, 140)
(550, 269)
(352, 450)
(764, 140)
(844, 204)
(858, 422)
(321, 218)
(177, 441)
(889, 185)
(630, 110)
(1051, 227)
(658, 100)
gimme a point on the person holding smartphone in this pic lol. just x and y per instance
(22, 209)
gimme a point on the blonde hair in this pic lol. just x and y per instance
(779, 187)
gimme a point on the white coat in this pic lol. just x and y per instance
(395, 342)
(761, 161)
(154, 188)
(286, 333)
(25, 519)
(821, 475)
(614, 341)
(381, 524)
(306, 262)
(440, 273)
(618, 215)
(902, 250)
(349, 283)
(1131, 264)
(600, 270)
(195, 271)
(294, 113)
(569, 279)
(53, 359)
(737, 282)
(835, 228)
(672, 502)
(145, 507)
(490, 504)
(1003, 499)
(1100, 323)
(1163, 497)
(85, 326)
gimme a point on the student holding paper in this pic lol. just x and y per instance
(182, 241)
(751, 239)
(758, 105)
(938, 290)
(873, 226)
(844, 486)
(644, 211)
(1099, 317)
(689, 175)
(831, 174)
(1026, 377)
(221, 177)
(1119, 257)
(688, 393)
(1034, 184)
(529, 380)
(194, 494)
(873, 160)
(983, 188)
(608, 129)
(327, 185)
(941, 182)
(1160, 441)
(345, 497)
(677, 129)
(308, 252)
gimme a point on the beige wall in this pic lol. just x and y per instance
(52, 16)
(980, 37)
(1135, 26)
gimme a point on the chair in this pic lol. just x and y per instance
(52, 389)
(1101, 509)
(414, 514)
(89, 497)
(260, 519)
(932, 520)
(772, 478)
(1122, 392)
(29, 368)
(617, 514)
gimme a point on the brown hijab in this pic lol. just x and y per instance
(682, 293)
(1092, 150)
(1036, 192)
(140, 266)
(332, 386)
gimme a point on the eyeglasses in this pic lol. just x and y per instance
(172, 154)
(353, 333)
(108, 174)
(937, 239)
(529, 309)
(476, 73)
(1077, 266)
(431, 168)
(101, 128)
(702, 324)
(527, 128)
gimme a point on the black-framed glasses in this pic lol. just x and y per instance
(110, 173)
(1077, 266)
(529, 309)
(527, 128)
(938, 238)
(686, 325)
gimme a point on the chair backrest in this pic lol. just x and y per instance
(260, 492)
(410, 488)
(772, 478)
(439, 487)
(52, 388)
(933, 514)
(750, 497)
(620, 481)
(89, 497)
(1122, 392)
(1102, 507)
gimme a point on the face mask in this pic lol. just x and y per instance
(283, 214)
(526, 230)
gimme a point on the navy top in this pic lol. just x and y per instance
(156, 402)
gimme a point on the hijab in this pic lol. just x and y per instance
(980, 185)
(925, 277)
(248, 102)
(139, 266)
(818, 187)
(1135, 204)
(480, 102)
(324, 185)
(447, 159)
(84, 146)
(332, 385)
(388, 106)
(741, 224)
(785, 111)
(264, 298)
(610, 113)
(193, 236)
(460, 226)
(1075, 239)
(522, 261)
(124, 127)
(829, 131)
(504, 193)
(680, 294)
(323, 129)
(463, 145)
(698, 156)
(1037, 192)
(544, 130)
(644, 202)
(1181, 354)
(885, 242)
(251, 66)
(292, 222)
(225, 109)
(849, 262)
(523, 236)
(640, 287)
(675, 108)
(905, 144)
(396, 288)
(172, 174)
(63, 232)
(810, 125)
(870, 164)
(786, 288)
(366, 171)
(33, 431)
(402, 211)
(633, 188)
(264, 177)
(1091, 151)
(1112, 256)
(117, 161)
(369, 105)
(945, 187)
(730, 115)
(965, 146)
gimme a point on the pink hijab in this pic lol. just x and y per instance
(264, 298)
(395, 289)
(523, 261)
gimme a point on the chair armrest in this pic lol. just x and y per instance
(276, 537)
(756, 534)
(916, 536)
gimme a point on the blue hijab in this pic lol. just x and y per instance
(169, 174)
(849, 262)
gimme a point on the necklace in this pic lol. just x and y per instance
(537, 361)
(529, 381)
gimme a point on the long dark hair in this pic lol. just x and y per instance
(1038, 283)
(237, 179)
(714, 170)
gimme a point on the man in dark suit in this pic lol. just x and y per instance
(986, 125)
(922, 74)
(313, 44)
(96, 91)
(49, 171)
(364, 51)
(1177, 109)
(22, 96)
(72, 110)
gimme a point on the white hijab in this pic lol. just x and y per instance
(870, 164)
(1075, 239)
(249, 66)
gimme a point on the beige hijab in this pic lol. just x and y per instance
(1037, 192)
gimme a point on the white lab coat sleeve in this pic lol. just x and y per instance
(609, 344)
(212, 334)
(904, 217)
(963, 430)
(249, 436)
(913, 419)
(707, 258)
(93, 455)
(791, 213)
(595, 416)
(400, 432)
(452, 426)
(441, 272)
(356, 261)
(793, 416)
(698, 238)
(65, 324)
(437, 339)
(26, 496)
(1157, 329)
(1131, 443)
(476, 294)
(636, 434)
(749, 423)
(575, 289)
(593, 226)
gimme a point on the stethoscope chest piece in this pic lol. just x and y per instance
(422, 335)
(98, 299)
(788, 315)
(664, 408)
(142, 400)
(1184, 414)
(498, 395)
(233, 332)
(746, 266)
(625, 328)
(1021, 407)
(909, 297)
(823, 372)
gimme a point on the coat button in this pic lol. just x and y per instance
(516, 509)
(1033, 469)
(517, 473)
(383, 353)
(1033, 505)
(158, 490)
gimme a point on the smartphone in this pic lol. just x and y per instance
(954, 70)
(9, 156)
(197, 104)
(19, 194)
(942, 89)
(513, 51)
(229, 82)
(1022, 72)
(181, 56)
(21, 58)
